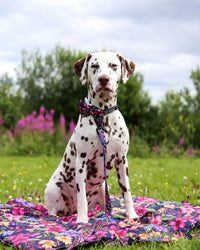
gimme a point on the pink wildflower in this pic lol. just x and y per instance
(72, 126)
(1, 122)
(190, 151)
(62, 121)
(48, 117)
(52, 112)
(34, 114)
(181, 141)
(42, 110)
(21, 124)
(156, 149)
(10, 134)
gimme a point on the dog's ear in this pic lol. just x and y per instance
(81, 68)
(127, 68)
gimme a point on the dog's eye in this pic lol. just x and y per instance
(113, 66)
(95, 66)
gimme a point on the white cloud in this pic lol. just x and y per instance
(161, 37)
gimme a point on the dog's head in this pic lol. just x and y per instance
(103, 70)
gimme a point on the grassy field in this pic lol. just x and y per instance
(165, 179)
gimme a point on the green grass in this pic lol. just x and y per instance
(164, 179)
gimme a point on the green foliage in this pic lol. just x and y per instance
(134, 102)
(139, 147)
(10, 103)
(50, 80)
(33, 144)
(179, 115)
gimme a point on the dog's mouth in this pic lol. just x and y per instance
(104, 88)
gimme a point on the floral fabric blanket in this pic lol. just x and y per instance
(28, 226)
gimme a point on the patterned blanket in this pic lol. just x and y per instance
(28, 226)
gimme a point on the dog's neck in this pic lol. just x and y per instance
(102, 100)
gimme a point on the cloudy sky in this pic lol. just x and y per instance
(162, 37)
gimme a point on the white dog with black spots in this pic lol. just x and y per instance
(78, 183)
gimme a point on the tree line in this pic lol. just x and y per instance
(49, 80)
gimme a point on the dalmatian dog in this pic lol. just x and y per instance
(78, 183)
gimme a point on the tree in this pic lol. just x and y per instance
(10, 101)
(50, 80)
(195, 76)
(135, 105)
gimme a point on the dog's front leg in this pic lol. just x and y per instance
(121, 166)
(82, 204)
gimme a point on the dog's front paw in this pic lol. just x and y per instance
(82, 219)
(133, 216)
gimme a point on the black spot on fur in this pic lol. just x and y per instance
(59, 184)
(127, 172)
(94, 193)
(91, 122)
(60, 213)
(119, 162)
(83, 155)
(101, 95)
(123, 188)
(67, 179)
(112, 156)
(64, 197)
(77, 186)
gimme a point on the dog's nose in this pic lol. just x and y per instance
(104, 79)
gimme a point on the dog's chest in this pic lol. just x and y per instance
(114, 127)
(89, 144)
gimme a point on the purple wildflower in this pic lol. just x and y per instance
(42, 110)
(181, 141)
(156, 149)
(52, 112)
(28, 119)
(21, 124)
(10, 134)
(72, 126)
(1, 122)
(34, 114)
(190, 151)
(62, 121)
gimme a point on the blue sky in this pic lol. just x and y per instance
(162, 37)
